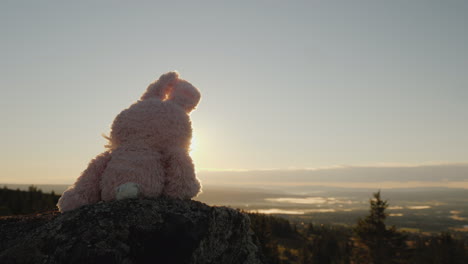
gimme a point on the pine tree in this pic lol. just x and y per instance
(376, 243)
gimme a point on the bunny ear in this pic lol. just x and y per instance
(185, 95)
(162, 87)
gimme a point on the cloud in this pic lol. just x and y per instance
(394, 175)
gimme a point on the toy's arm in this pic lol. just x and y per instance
(86, 189)
(181, 181)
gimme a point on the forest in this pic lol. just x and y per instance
(17, 202)
(370, 240)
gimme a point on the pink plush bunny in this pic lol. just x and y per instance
(148, 150)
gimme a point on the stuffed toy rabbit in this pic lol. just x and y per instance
(148, 150)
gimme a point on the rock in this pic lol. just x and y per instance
(131, 231)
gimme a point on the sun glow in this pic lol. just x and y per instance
(193, 145)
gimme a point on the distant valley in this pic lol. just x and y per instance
(412, 209)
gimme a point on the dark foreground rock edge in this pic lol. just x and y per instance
(131, 231)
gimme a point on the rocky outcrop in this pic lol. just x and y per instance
(131, 231)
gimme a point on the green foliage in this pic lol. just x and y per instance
(16, 202)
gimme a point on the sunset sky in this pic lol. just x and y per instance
(286, 85)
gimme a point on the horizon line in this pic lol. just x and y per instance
(343, 166)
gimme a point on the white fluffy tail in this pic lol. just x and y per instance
(127, 191)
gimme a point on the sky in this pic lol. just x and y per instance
(286, 85)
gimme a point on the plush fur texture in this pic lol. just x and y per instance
(148, 150)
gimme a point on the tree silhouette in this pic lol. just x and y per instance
(16, 202)
(375, 243)
(439, 249)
